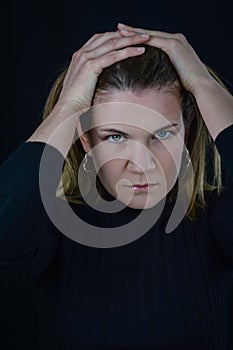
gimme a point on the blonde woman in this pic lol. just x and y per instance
(154, 112)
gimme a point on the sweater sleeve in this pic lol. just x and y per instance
(26, 246)
(221, 213)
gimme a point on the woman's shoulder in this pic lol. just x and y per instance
(220, 208)
(215, 196)
(220, 221)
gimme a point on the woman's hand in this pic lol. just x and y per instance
(185, 60)
(100, 51)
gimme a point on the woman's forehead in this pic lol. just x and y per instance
(162, 102)
(132, 115)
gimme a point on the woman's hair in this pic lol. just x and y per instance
(152, 70)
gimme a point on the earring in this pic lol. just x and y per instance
(84, 165)
(188, 159)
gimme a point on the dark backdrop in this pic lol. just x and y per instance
(41, 36)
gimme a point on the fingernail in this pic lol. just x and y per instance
(120, 25)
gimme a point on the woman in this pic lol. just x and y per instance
(156, 292)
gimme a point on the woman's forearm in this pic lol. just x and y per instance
(215, 104)
(57, 129)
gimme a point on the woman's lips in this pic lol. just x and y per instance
(142, 188)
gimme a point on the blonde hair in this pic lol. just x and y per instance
(152, 70)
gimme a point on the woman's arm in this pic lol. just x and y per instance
(26, 246)
(215, 104)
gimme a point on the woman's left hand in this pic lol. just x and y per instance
(185, 60)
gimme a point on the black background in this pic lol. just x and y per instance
(39, 38)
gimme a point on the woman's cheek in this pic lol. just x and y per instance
(170, 165)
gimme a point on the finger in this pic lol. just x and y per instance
(104, 38)
(101, 38)
(98, 37)
(115, 56)
(141, 30)
(117, 43)
(156, 41)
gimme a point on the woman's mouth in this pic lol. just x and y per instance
(142, 188)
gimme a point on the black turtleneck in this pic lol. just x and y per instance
(160, 291)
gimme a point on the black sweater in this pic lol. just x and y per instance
(161, 291)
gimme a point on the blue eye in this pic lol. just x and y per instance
(163, 134)
(113, 136)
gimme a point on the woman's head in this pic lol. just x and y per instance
(136, 139)
(149, 80)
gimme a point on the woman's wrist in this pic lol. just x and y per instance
(202, 83)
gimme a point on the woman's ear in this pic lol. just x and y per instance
(84, 138)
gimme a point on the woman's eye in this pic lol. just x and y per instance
(114, 138)
(163, 135)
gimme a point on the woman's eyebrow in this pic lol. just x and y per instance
(125, 134)
(115, 130)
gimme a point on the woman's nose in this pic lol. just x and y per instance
(142, 160)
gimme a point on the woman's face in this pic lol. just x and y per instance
(137, 153)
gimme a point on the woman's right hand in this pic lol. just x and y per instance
(100, 51)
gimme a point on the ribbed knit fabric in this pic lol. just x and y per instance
(161, 291)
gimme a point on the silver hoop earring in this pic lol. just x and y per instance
(84, 165)
(188, 159)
